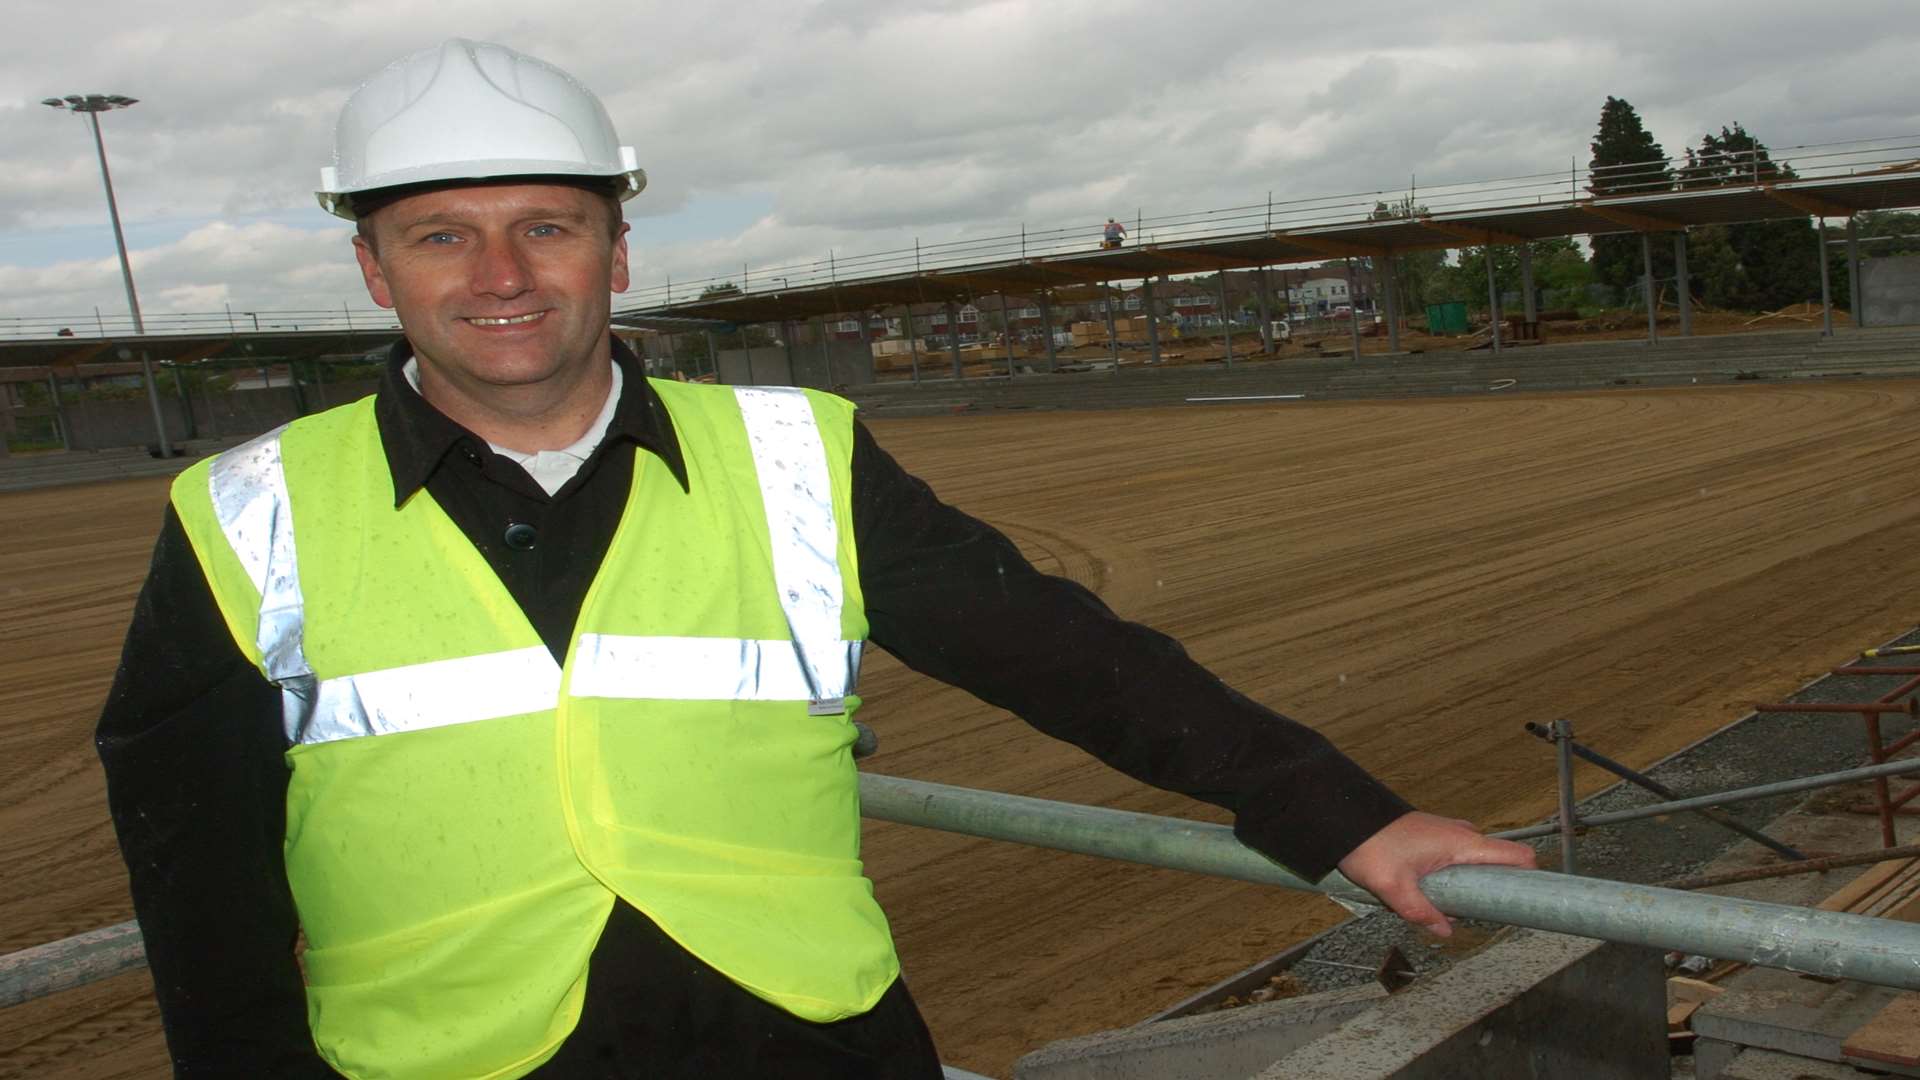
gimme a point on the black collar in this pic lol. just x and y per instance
(418, 437)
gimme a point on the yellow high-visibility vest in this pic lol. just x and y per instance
(463, 811)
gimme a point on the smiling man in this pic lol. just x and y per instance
(522, 690)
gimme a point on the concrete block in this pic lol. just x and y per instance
(1768, 1065)
(1534, 1005)
(1792, 1014)
(1712, 1057)
(1231, 1043)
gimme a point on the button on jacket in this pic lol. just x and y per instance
(198, 781)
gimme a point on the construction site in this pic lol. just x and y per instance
(1602, 582)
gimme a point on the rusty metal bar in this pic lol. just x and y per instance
(1872, 708)
(1804, 866)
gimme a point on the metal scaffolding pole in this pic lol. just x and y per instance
(1832, 944)
(1826, 283)
(1653, 307)
(1682, 283)
(1393, 302)
(1907, 767)
(1493, 298)
(1153, 320)
(1046, 323)
(713, 356)
(1853, 272)
(1263, 287)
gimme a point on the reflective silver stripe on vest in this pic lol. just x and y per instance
(694, 668)
(796, 489)
(248, 486)
(435, 694)
(249, 491)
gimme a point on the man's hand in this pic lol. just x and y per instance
(1391, 862)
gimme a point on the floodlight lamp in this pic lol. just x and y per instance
(53, 101)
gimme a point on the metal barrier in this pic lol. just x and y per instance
(1824, 943)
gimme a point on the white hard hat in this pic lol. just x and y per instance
(468, 110)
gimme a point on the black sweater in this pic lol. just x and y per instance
(192, 742)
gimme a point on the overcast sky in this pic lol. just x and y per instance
(775, 132)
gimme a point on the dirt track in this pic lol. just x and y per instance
(1415, 578)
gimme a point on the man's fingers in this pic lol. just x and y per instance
(1408, 902)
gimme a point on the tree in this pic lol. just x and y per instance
(1626, 161)
(1557, 265)
(1754, 265)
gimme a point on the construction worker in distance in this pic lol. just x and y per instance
(1113, 234)
(500, 724)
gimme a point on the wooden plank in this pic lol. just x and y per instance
(1896, 890)
(1892, 1036)
(1857, 891)
(1680, 988)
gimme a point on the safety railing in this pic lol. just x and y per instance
(1022, 242)
(97, 324)
(1823, 943)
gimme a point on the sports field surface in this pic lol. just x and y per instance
(1415, 578)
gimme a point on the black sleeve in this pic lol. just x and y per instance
(954, 599)
(196, 782)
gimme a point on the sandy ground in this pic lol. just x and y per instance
(1415, 578)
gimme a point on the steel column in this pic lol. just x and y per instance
(1353, 310)
(1826, 284)
(713, 356)
(1113, 333)
(1226, 320)
(1682, 283)
(1266, 312)
(153, 402)
(1853, 271)
(1153, 320)
(953, 335)
(1046, 322)
(1493, 299)
(1006, 330)
(59, 411)
(913, 348)
(1529, 307)
(1653, 308)
(1393, 302)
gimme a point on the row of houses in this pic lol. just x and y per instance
(1189, 301)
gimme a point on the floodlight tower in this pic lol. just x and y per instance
(93, 105)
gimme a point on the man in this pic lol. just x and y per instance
(520, 693)
(1111, 236)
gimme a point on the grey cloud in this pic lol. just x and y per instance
(866, 124)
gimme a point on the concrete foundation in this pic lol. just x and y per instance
(1232, 1042)
(844, 363)
(1790, 1014)
(1767, 1065)
(1532, 1005)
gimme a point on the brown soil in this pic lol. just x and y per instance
(1415, 578)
